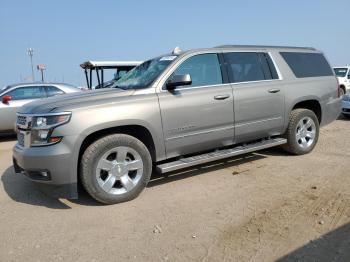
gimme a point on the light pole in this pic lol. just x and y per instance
(30, 52)
(41, 67)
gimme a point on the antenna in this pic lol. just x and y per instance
(177, 51)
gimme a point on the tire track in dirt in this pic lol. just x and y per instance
(266, 234)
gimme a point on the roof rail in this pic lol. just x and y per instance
(263, 46)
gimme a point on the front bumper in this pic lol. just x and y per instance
(52, 168)
(346, 107)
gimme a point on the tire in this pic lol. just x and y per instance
(342, 91)
(302, 134)
(346, 116)
(115, 168)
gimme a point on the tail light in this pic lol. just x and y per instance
(6, 99)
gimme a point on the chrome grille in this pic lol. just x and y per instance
(24, 121)
(21, 120)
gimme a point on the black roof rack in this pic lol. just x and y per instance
(263, 46)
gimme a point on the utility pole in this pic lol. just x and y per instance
(30, 52)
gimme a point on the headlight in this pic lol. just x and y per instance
(42, 127)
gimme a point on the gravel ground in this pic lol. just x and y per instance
(264, 206)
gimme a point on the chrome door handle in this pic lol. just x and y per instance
(274, 90)
(221, 97)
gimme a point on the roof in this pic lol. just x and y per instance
(38, 83)
(109, 64)
(34, 83)
(264, 46)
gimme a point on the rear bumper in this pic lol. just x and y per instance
(331, 111)
(51, 168)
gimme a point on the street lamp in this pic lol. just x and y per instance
(41, 67)
(30, 52)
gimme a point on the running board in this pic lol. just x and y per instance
(219, 154)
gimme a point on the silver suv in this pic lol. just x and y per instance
(175, 111)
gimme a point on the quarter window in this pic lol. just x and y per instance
(250, 66)
(53, 91)
(307, 64)
(204, 70)
(30, 92)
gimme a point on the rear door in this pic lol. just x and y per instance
(200, 116)
(19, 97)
(258, 95)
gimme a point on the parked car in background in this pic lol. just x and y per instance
(176, 111)
(343, 75)
(346, 106)
(14, 96)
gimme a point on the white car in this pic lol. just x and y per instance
(343, 75)
(12, 97)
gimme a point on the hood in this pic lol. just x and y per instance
(73, 101)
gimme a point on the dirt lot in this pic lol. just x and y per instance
(261, 207)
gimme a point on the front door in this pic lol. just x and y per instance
(197, 117)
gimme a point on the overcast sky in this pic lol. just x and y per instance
(66, 33)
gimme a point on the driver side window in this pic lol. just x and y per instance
(28, 92)
(204, 70)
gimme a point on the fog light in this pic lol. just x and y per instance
(38, 174)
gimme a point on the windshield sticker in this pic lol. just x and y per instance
(168, 58)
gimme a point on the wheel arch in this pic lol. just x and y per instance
(138, 131)
(342, 86)
(311, 104)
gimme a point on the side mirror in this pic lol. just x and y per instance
(6, 99)
(178, 80)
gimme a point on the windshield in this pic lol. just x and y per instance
(341, 72)
(4, 88)
(143, 75)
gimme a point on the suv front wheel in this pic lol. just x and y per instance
(302, 132)
(115, 168)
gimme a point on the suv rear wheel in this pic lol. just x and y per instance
(302, 132)
(115, 168)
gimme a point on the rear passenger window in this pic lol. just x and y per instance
(307, 64)
(204, 70)
(250, 66)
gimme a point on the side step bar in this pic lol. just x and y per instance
(219, 154)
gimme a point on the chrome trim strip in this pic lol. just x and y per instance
(258, 121)
(45, 114)
(255, 82)
(178, 63)
(201, 133)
